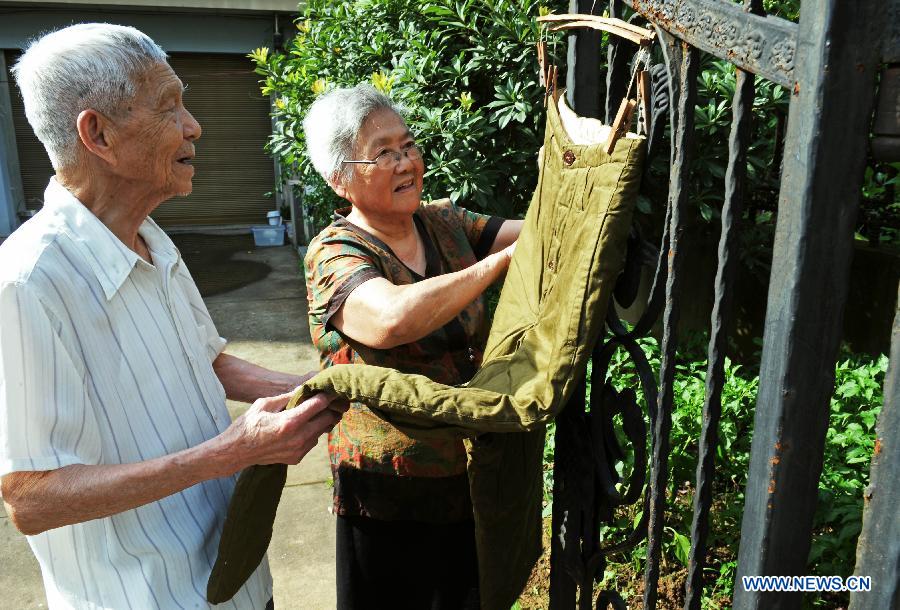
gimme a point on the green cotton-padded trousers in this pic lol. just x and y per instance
(550, 315)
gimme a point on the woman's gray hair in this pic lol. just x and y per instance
(332, 126)
(89, 65)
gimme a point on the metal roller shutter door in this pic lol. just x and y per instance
(34, 163)
(233, 171)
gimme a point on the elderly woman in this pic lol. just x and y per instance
(395, 282)
(117, 454)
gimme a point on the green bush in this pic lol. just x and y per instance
(786, 9)
(466, 71)
(849, 445)
(848, 450)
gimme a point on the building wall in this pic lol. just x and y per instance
(174, 31)
(188, 29)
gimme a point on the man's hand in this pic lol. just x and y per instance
(267, 434)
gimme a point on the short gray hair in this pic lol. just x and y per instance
(333, 122)
(89, 65)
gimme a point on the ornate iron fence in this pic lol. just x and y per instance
(829, 62)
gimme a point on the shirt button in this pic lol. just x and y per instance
(551, 265)
(568, 157)
(471, 355)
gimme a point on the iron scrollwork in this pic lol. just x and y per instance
(758, 44)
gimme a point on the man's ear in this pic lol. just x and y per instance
(96, 133)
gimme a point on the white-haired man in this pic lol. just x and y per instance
(117, 454)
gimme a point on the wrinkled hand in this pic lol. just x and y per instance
(508, 252)
(267, 434)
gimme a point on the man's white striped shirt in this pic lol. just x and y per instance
(106, 359)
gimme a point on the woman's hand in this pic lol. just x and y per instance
(509, 251)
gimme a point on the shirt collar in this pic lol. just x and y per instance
(161, 246)
(110, 260)
(433, 266)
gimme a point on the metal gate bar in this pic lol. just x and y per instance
(825, 153)
(761, 45)
(878, 551)
(829, 63)
(683, 128)
(735, 178)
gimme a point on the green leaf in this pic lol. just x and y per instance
(848, 389)
(682, 546)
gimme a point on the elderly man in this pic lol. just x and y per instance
(117, 454)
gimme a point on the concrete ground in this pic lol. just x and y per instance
(264, 318)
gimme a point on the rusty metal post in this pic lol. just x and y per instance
(878, 551)
(825, 152)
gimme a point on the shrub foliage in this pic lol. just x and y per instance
(857, 400)
(467, 72)
(464, 69)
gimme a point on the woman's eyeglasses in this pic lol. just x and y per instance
(389, 159)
